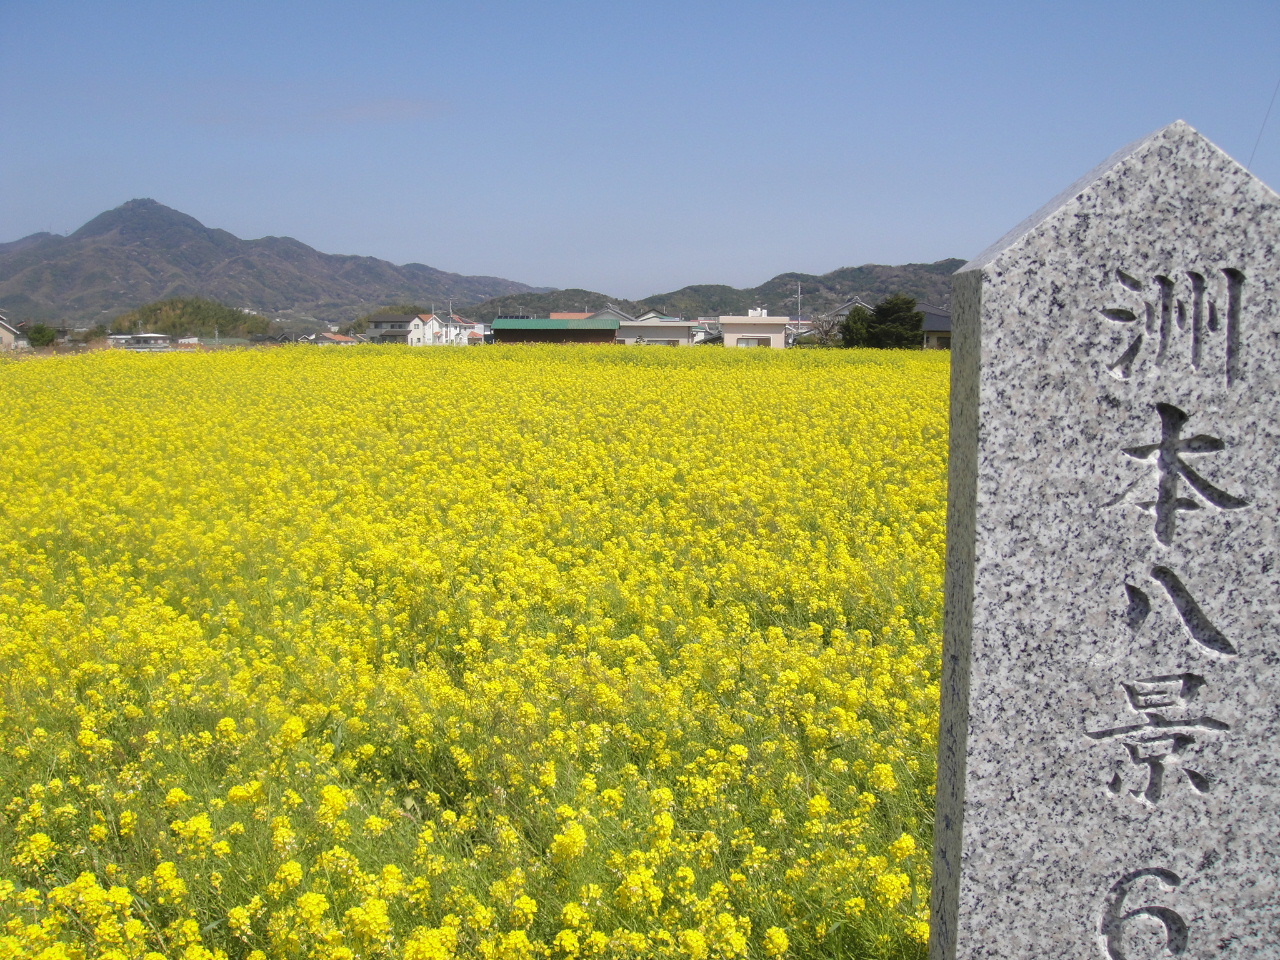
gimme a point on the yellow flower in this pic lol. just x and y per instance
(289, 874)
(291, 732)
(176, 796)
(570, 843)
(893, 887)
(38, 850)
(489, 594)
(694, 944)
(169, 883)
(776, 942)
(883, 778)
(568, 943)
(247, 792)
(312, 909)
(334, 802)
(369, 921)
(524, 910)
(377, 825)
(903, 847)
(240, 921)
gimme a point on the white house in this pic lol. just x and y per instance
(11, 338)
(426, 329)
(756, 329)
(433, 330)
(142, 342)
(657, 329)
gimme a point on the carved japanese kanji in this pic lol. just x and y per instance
(1199, 626)
(1164, 735)
(1167, 456)
(1178, 305)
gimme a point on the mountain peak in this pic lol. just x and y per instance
(143, 251)
(136, 219)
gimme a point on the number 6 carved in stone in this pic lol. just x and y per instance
(1113, 919)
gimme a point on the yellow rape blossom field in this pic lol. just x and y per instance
(500, 652)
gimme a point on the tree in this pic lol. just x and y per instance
(853, 328)
(97, 333)
(892, 323)
(42, 336)
(192, 316)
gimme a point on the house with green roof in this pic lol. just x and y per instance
(560, 329)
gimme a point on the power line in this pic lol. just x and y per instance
(1249, 165)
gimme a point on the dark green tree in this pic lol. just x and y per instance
(894, 323)
(42, 336)
(853, 328)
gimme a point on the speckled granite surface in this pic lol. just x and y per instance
(1110, 761)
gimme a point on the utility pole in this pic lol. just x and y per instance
(799, 311)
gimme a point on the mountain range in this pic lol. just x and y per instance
(143, 251)
(819, 294)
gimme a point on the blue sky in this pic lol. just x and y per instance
(625, 147)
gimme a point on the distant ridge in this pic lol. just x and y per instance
(927, 282)
(143, 251)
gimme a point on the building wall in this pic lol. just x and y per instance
(553, 336)
(736, 328)
(937, 341)
(658, 331)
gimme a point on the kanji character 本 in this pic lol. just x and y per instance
(1160, 740)
(1167, 456)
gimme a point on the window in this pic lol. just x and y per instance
(754, 342)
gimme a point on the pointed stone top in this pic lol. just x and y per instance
(1178, 135)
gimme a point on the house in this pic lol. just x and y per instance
(595, 328)
(609, 311)
(433, 330)
(936, 327)
(329, 340)
(140, 342)
(11, 338)
(756, 329)
(389, 327)
(654, 328)
(842, 311)
(217, 343)
(425, 330)
(469, 332)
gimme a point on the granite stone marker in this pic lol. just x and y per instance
(1109, 777)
